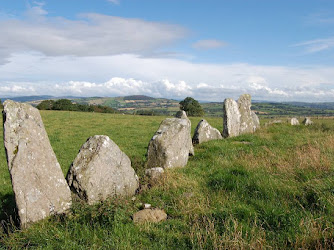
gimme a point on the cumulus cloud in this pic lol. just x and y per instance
(161, 77)
(116, 86)
(208, 44)
(90, 35)
(100, 55)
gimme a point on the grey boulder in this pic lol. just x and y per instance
(38, 182)
(101, 170)
(169, 147)
(205, 132)
(307, 121)
(294, 121)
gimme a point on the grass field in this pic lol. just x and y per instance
(276, 192)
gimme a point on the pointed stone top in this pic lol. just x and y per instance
(181, 114)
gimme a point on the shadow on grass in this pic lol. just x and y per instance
(8, 213)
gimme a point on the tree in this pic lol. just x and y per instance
(191, 107)
(64, 104)
(46, 105)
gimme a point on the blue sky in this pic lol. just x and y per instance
(274, 50)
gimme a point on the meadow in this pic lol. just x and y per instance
(275, 191)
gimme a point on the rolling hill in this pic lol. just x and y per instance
(146, 105)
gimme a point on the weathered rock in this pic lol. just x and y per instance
(246, 118)
(231, 118)
(169, 147)
(154, 173)
(256, 121)
(307, 121)
(182, 115)
(101, 170)
(294, 121)
(38, 182)
(204, 132)
(149, 215)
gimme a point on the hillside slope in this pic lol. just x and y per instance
(275, 191)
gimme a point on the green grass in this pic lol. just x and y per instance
(276, 192)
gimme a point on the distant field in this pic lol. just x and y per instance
(140, 104)
(276, 192)
(136, 104)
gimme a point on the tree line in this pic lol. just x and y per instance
(189, 105)
(68, 105)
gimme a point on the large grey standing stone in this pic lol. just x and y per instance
(294, 121)
(182, 115)
(246, 118)
(256, 121)
(307, 121)
(38, 182)
(169, 147)
(231, 118)
(101, 170)
(205, 132)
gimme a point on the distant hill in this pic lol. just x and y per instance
(28, 98)
(318, 105)
(141, 104)
(138, 97)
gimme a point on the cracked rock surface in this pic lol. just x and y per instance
(231, 118)
(205, 132)
(171, 144)
(38, 182)
(101, 170)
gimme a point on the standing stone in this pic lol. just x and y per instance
(204, 132)
(38, 182)
(307, 121)
(182, 115)
(294, 121)
(154, 173)
(101, 170)
(256, 121)
(231, 118)
(169, 147)
(246, 119)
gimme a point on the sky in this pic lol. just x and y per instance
(275, 50)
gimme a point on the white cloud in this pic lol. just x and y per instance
(119, 75)
(320, 18)
(317, 45)
(208, 44)
(90, 35)
(36, 10)
(100, 55)
(113, 1)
